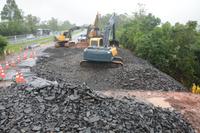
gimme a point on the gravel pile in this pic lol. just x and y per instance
(63, 66)
(73, 108)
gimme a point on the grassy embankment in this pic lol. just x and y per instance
(14, 48)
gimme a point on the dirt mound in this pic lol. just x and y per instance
(63, 65)
(75, 108)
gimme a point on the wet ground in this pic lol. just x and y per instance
(136, 75)
(135, 79)
(23, 66)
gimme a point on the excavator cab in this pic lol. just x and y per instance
(96, 42)
(65, 39)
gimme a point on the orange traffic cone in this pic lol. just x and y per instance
(7, 66)
(2, 74)
(21, 77)
(13, 63)
(1, 68)
(17, 78)
(31, 54)
(25, 55)
(18, 59)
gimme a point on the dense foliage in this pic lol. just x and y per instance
(3, 43)
(174, 50)
(14, 23)
(11, 11)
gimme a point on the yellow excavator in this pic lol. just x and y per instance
(101, 51)
(65, 39)
(93, 32)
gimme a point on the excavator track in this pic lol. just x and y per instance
(93, 64)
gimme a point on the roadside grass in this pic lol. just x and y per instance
(15, 48)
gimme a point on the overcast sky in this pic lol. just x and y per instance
(84, 11)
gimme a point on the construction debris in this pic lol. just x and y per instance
(76, 108)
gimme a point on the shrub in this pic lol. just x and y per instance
(3, 43)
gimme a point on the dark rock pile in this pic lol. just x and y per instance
(63, 65)
(71, 108)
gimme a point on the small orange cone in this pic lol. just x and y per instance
(2, 74)
(31, 54)
(21, 78)
(25, 55)
(7, 66)
(17, 78)
(13, 63)
(1, 68)
(18, 59)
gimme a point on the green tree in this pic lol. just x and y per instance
(11, 12)
(65, 25)
(13, 28)
(174, 50)
(43, 25)
(32, 23)
(139, 25)
(53, 24)
(170, 48)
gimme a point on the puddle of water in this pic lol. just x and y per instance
(24, 67)
(159, 102)
(38, 82)
(10, 74)
(28, 63)
(5, 83)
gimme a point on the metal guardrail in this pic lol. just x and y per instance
(25, 38)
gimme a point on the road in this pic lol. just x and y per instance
(76, 35)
